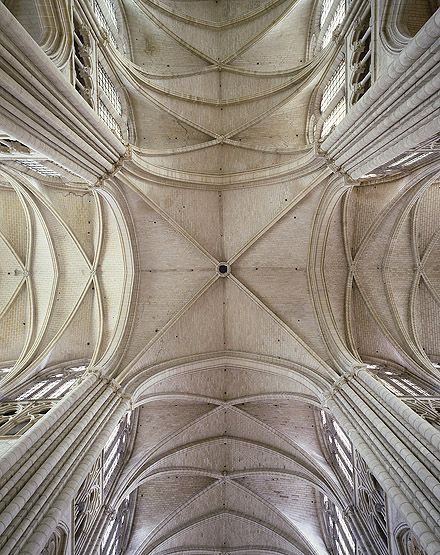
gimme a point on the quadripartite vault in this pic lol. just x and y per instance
(219, 280)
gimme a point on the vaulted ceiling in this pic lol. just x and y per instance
(227, 454)
(227, 370)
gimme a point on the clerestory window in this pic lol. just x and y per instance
(22, 408)
(339, 446)
(342, 540)
(334, 117)
(103, 22)
(116, 531)
(334, 85)
(336, 19)
(423, 398)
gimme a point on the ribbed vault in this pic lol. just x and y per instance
(227, 371)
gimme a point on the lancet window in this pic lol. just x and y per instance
(339, 533)
(24, 406)
(104, 21)
(361, 57)
(368, 504)
(93, 493)
(333, 101)
(92, 74)
(334, 86)
(335, 117)
(340, 452)
(115, 449)
(339, 446)
(108, 88)
(37, 167)
(109, 102)
(332, 20)
(117, 529)
(422, 397)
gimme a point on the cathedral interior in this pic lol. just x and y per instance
(219, 277)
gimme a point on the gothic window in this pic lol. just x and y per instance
(332, 15)
(361, 57)
(116, 531)
(341, 456)
(36, 166)
(371, 506)
(87, 505)
(53, 385)
(326, 6)
(92, 75)
(108, 88)
(338, 532)
(106, 23)
(333, 105)
(109, 102)
(17, 418)
(116, 448)
(367, 496)
(106, 116)
(335, 117)
(422, 397)
(111, 10)
(339, 446)
(82, 60)
(22, 408)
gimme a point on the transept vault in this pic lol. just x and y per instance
(219, 277)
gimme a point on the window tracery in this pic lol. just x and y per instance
(371, 506)
(341, 538)
(116, 448)
(89, 502)
(24, 406)
(367, 496)
(341, 457)
(339, 447)
(361, 57)
(423, 398)
(92, 74)
(337, 19)
(87, 505)
(117, 528)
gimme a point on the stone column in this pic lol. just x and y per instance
(397, 113)
(399, 447)
(41, 473)
(41, 109)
